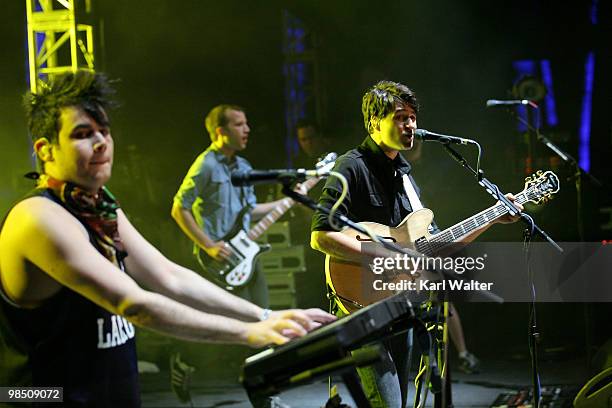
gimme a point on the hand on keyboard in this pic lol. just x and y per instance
(284, 325)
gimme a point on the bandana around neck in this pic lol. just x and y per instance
(97, 211)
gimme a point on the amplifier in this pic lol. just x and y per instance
(283, 259)
(282, 299)
(277, 235)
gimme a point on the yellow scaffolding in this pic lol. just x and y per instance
(57, 42)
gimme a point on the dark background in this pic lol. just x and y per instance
(176, 60)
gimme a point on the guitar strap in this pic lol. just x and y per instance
(415, 201)
(413, 198)
(243, 199)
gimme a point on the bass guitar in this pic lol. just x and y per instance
(347, 280)
(237, 270)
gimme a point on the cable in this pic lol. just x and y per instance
(479, 157)
(343, 194)
(332, 212)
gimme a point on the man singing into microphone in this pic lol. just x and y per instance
(376, 192)
(207, 205)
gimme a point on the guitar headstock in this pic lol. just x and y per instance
(323, 166)
(327, 163)
(540, 187)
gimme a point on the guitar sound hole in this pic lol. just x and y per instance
(368, 239)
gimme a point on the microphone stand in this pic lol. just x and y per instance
(494, 191)
(579, 172)
(578, 175)
(532, 227)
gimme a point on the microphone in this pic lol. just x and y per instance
(250, 177)
(427, 136)
(510, 102)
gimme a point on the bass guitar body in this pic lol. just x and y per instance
(238, 270)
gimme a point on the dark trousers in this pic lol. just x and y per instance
(385, 383)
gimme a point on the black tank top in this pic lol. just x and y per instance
(69, 342)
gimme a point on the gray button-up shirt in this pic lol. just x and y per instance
(208, 192)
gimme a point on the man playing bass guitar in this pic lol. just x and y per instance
(207, 205)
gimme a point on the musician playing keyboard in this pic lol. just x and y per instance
(76, 276)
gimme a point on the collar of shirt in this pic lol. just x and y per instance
(221, 158)
(399, 166)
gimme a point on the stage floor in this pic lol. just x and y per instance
(473, 390)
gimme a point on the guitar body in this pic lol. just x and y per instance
(351, 282)
(239, 269)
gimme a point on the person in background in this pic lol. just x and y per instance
(312, 144)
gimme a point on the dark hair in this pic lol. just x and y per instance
(380, 100)
(306, 122)
(87, 90)
(309, 122)
(217, 117)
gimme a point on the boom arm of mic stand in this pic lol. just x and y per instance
(534, 227)
(566, 157)
(497, 194)
(310, 203)
(490, 187)
(345, 221)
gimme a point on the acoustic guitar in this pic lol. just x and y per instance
(348, 280)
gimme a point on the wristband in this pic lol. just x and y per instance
(265, 314)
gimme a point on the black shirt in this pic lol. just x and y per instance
(376, 190)
(69, 342)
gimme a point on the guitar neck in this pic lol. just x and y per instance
(277, 212)
(270, 218)
(464, 228)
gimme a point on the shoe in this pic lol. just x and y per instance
(469, 364)
(276, 402)
(180, 377)
(146, 367)
(269, 402)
